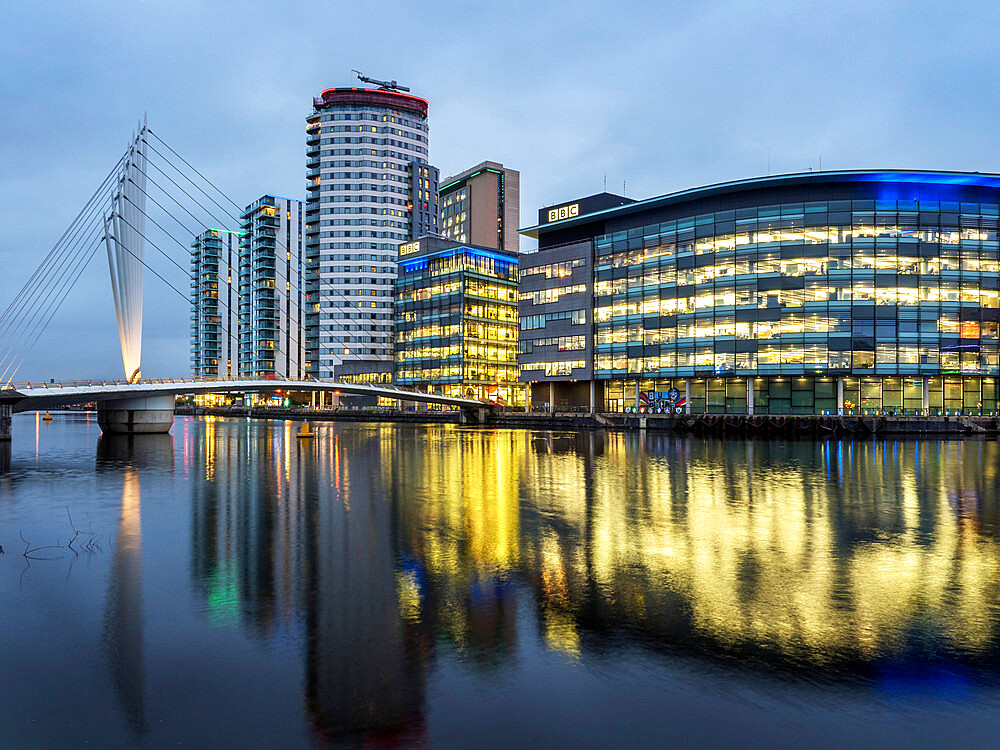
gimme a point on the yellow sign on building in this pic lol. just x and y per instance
(564, 212)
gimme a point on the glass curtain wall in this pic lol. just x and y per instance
(883, 294)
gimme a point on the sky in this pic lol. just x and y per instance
(652, 97)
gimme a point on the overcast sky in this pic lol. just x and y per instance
(656, 96)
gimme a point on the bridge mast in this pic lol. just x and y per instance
(124, 230)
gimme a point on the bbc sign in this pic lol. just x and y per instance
(409, 247)
(564, 212)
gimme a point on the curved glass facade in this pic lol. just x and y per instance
(859, 306)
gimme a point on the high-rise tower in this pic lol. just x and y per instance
(215, 258)
(270, 309)
(369, 189)
(481, 206)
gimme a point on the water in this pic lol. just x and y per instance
(404, 585)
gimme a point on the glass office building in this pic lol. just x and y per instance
(456, 321)
(840, 292)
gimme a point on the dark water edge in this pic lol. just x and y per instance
(436, 585)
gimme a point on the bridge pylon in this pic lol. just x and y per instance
(124, 230)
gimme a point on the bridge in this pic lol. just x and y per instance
(147, 405)
(116, 218)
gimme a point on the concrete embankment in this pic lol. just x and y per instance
(704, 424)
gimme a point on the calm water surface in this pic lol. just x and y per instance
(405, 585)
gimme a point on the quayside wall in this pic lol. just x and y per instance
(707, 424)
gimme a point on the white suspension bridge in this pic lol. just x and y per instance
(116, 217)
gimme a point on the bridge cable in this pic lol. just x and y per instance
(282, 277)
(196, 185)
(31, 334)
(197, 221)
(186, 272)
(278, 273)
(37, 276)
(190, 252)
(83, 265)
(193, 169)
(365, 317)
(183, 296)
(25, 318)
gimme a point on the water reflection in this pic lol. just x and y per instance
(123, 618)
(366, 660)
(140, 451)
(123, 626)
(5, 456)
(386, 549)
(809, 556)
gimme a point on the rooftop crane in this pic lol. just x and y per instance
(387, 85)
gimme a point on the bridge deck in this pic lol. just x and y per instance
(51, 395)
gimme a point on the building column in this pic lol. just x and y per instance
(925, 396)
(750, 396)
(552, 397)
(840, 396)
(592, 394)
(312, 399)
(335, 400)
(687, 395)
(637, 394)
(527, 397)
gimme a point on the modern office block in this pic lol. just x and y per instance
(481, 206)
(856, 292)
(456, 321)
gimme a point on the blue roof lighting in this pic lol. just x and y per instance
(411, 264)
(900, 184)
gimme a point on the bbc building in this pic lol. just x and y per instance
(851, 292)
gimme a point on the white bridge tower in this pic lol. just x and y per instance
(124, 230)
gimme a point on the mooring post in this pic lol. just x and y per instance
(6, 414)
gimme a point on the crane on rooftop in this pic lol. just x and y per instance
(387, 85)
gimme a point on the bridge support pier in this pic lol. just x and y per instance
(474, 416)
(6, 412)
(136, 415)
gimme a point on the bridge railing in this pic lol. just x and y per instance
(34, 385)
